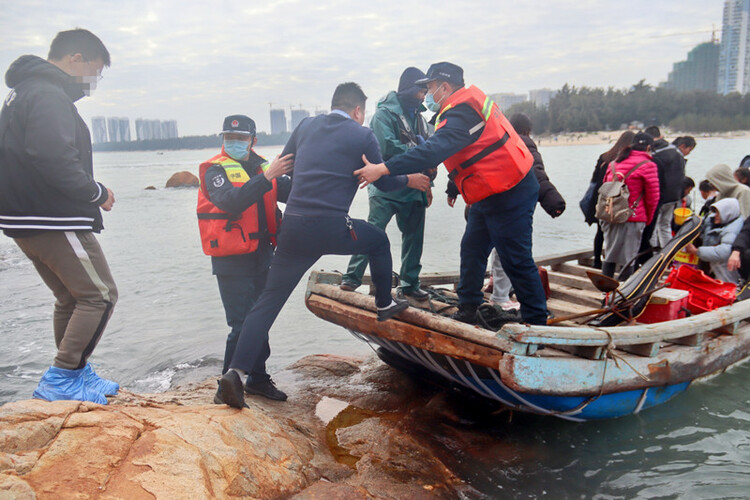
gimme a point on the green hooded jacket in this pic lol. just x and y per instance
(396, 134)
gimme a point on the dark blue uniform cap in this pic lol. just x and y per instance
(446, 72)
(238, 124)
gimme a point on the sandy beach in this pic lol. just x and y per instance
(609, 137)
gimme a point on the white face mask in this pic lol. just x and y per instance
(89, 84)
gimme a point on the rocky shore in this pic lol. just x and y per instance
(352, 428)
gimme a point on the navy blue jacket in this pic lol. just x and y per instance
(327, 150)
(236, 200)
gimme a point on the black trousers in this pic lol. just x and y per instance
(302, 241)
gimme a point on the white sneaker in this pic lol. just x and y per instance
(509, 305)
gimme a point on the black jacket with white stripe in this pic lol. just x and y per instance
(46, 167)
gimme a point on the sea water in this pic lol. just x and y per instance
(169, 327)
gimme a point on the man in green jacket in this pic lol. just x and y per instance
(398, 125)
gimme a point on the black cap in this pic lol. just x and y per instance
(238, 124)
(643, 139)
(409, 79)
(446, 72)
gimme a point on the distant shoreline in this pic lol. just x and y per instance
(546, 140)
(191, 142)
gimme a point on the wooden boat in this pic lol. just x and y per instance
(573, 370)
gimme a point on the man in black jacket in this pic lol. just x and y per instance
(49, 203)
(670, 160)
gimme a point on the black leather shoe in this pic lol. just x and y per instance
(465, 314)
(265, 388)
(218, 400)
(231, 390)
(348, 286)
(396, 307)
(417, 294)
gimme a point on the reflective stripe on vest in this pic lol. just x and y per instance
(225, 234)
(496, 161)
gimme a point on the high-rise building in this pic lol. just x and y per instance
(169, 129)
(505, 100)
(113, 127)
(99, 129)
(734, 57)
(541, 97)
(119, 129)
(699, 72)
(140, 129)
(298, 115)
(150, 130)
(124, 125)
(278, 121)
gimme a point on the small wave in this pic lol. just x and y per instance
(162, 380)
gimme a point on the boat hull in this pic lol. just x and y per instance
(488, 383)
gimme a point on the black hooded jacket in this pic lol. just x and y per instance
(46, 167)
(671, 166)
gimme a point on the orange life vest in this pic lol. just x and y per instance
(225, 234)
(495, 162)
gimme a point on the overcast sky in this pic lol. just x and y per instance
(197, 61)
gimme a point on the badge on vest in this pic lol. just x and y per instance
(218, 181)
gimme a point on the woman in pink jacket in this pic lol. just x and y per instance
(622, 241)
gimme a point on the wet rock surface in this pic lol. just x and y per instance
(183, 179)
(351, 429)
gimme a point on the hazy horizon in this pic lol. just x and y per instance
(196, 63)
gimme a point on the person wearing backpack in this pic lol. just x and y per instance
(639, 181)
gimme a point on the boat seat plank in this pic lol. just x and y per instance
(563, 257)
(566, 306)
(570, 280)
(591, 299)
(574, 269)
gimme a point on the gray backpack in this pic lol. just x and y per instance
(612, 203)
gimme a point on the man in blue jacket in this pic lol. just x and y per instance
(327, 150)
(49, 203)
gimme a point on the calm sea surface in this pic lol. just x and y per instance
(169, 326)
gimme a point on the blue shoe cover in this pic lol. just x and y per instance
(95, 382)
(61, 384)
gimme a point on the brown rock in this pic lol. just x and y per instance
(183, 179)
(344, 433)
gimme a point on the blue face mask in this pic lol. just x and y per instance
(429, 101)
(237, 149)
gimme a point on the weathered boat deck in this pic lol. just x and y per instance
(532, 358)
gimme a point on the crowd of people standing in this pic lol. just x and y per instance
(655, 175)
(50, 205)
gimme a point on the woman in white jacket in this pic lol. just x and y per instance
(723, 223)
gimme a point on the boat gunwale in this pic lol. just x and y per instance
(553, 336)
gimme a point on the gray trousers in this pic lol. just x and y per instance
(72, 265)
(663, 228)
(500, 282)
